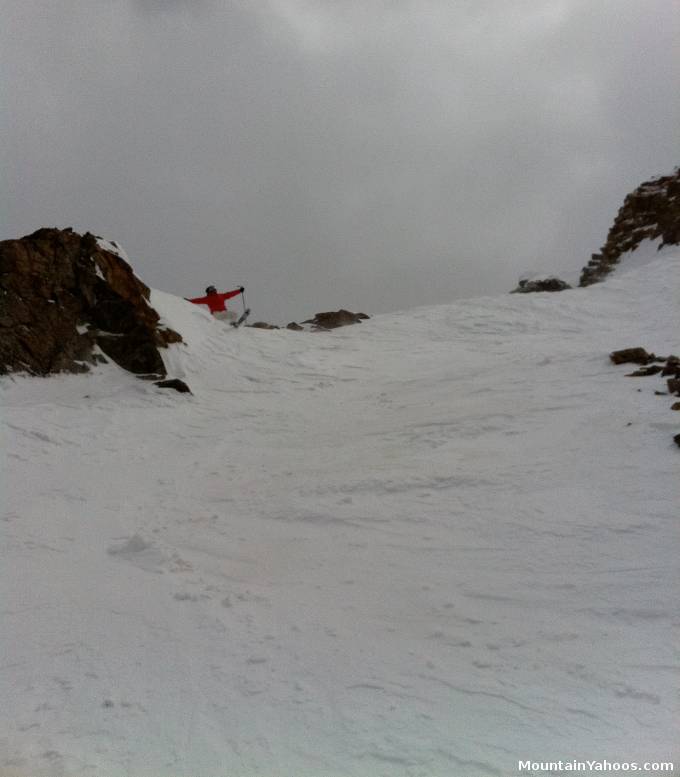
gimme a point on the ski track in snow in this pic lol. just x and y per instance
(427, 545)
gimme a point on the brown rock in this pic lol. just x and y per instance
(651, 211)
(653, 369)
(542, 284)
(675, 406)
(335, 318)
(677, 439)
(673, 385)
(61, 295)
(295, 327)
(672, 367)
(174, 383)
(263, 325)
(631, 355)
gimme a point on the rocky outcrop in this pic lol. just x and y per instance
(321, 322)
(67, 300)
(334, 319)
(632, 356)
(670, 366)
(652, 211)
(550, 283)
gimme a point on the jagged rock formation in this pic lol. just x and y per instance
(651, 211)
(65, 298)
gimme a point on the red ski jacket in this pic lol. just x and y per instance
(216, 301)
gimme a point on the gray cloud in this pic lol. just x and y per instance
(374, 156)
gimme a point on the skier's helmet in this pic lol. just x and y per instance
(211, 290)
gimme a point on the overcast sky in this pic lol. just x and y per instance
(374, 155)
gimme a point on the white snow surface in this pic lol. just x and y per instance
(434, 543)
(113, 248)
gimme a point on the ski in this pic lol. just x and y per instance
(244, 316)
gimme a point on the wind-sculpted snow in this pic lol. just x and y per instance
(435, 544)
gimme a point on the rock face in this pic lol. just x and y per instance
(334, 319)
(540, 284)
(63, 294)
(651, 211)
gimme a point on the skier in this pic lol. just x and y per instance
(216, 302)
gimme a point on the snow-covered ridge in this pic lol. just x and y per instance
(434, 544)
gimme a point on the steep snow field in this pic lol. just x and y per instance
(432, 544)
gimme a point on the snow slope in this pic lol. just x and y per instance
(433, 544)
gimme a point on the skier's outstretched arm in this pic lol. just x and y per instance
(230, 294)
